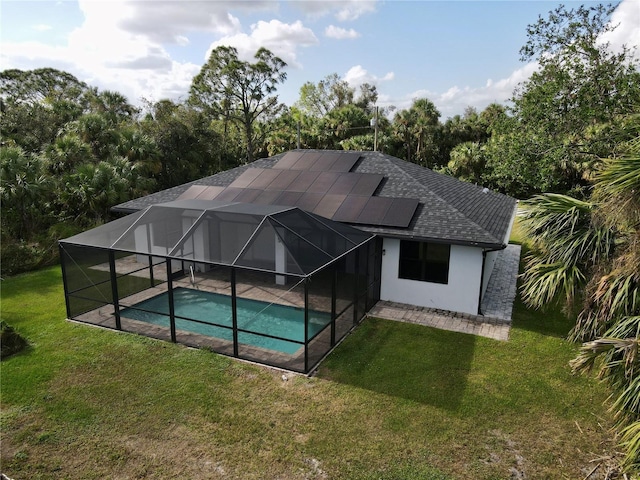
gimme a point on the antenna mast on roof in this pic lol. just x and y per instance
(374, 124)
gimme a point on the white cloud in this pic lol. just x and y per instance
(151, 77)
(120, 44)
(283, 39)
(165, 22)
(627, 18)
(351, 10)
(182, 40)
(104, 55)
(357, 75)
(456, 99)
(42, 27)
(342, 10)
(340, 33)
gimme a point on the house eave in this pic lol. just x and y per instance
(461, 242)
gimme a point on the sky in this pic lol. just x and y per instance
(455, 53)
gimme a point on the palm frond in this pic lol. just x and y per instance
(630, 441)
(562, 228)
(543, 282)
(609, 298)
(617, 355)
(620, 176)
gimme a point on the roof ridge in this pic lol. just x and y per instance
(439, 196)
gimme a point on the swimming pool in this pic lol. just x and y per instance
(254, 316)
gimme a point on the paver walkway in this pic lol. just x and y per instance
(497, 304)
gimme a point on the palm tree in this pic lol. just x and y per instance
(590, 252)
(67, 151)
(468, 162)
(23, 191)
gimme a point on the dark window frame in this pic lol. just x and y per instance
(424, 261)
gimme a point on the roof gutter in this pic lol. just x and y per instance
(124, 210)
(484, 260)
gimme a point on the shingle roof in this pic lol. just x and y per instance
(450, 210)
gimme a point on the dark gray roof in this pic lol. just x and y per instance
(450, 210)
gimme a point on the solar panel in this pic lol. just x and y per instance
(288, 160)
(367, 184)
(248, 195)
(229, 194)
(248, 176)
(289, 198)
(308, 201)
(344, 183)
(283, 179)
(306, 161)
(345, 162)
(267, 197)
(303, 181)
(192, 192)
(400, 213)
(318, 161)
(328, 205)
(324, 182)
(265, 178)
(316, 182)
(210, 193)
(374, 211)
(350, 209)
(324, 163)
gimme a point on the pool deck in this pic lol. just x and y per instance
(497, 305)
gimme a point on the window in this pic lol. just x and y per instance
(426, 262)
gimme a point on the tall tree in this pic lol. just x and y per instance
(581, 80)
(468, 162)
(89, 192)
(581, 83)
(368, 98)
(184, 143)
(418, 128)
(39, 86)
(112, 105)
(330, 93)
(240, 92)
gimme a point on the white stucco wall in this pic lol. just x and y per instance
(488, 269)
(459, 295)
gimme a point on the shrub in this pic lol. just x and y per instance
(10, 341)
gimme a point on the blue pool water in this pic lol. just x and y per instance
(254, 316)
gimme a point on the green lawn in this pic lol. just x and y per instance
(394, 401)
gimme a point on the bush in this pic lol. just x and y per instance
(19, 257)
(10, 341)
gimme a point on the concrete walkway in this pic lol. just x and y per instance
(497, 304)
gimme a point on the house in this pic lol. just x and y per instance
(440, 236)
(277, 261)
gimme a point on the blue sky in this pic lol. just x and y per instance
(456, 53)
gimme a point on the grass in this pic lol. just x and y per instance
(394, 401)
